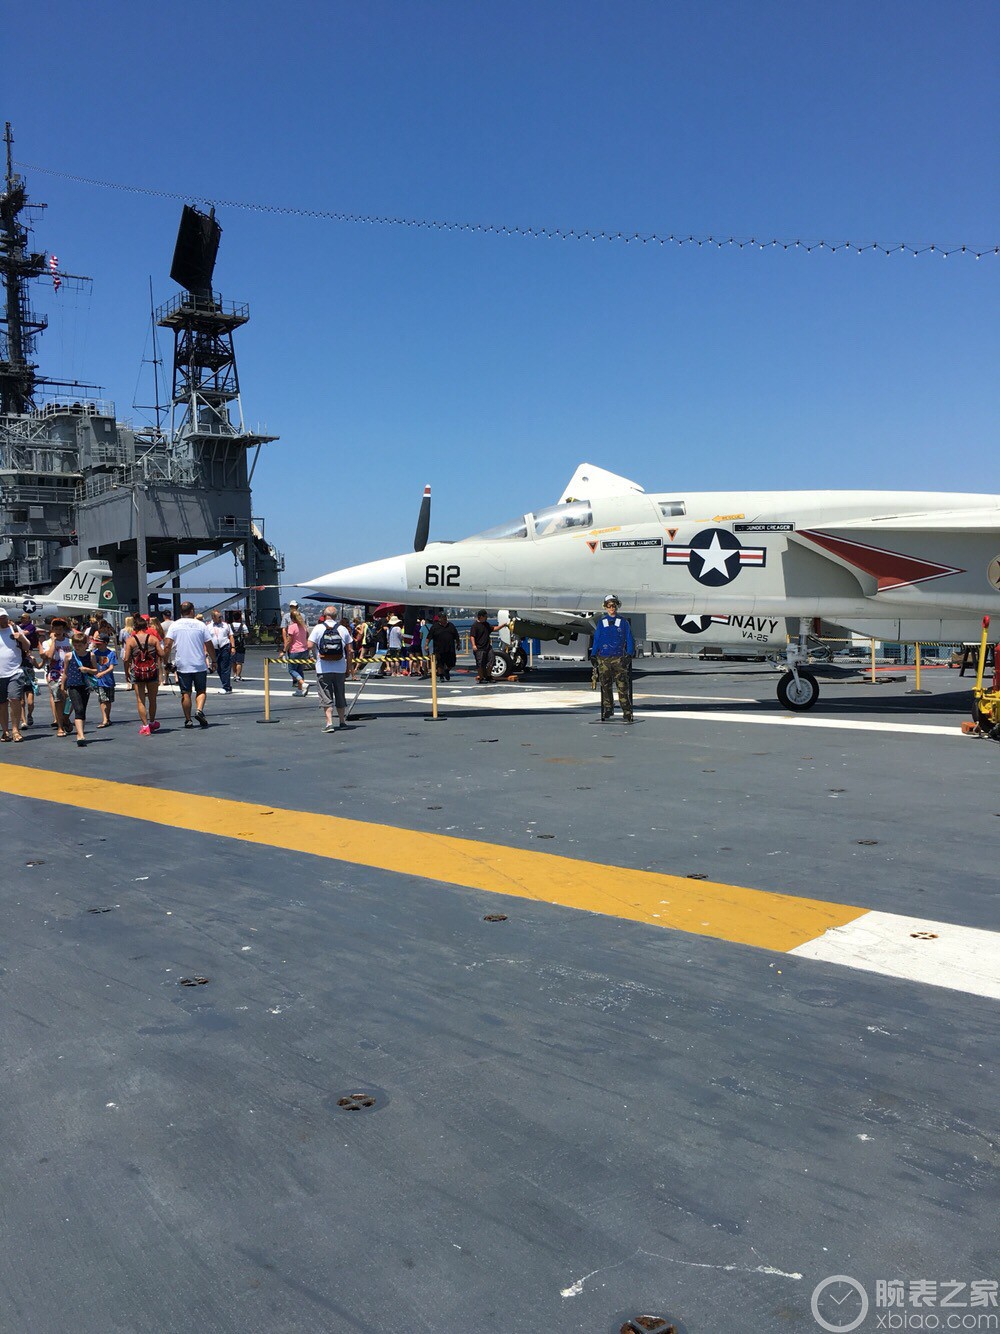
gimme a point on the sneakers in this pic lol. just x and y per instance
(188, 722)
(305, 689)
(329, 728)
(144, 730)
(154, 727)
(200, 718)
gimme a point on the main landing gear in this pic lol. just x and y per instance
(798, 688)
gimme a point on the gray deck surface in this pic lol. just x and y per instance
(567, 1103)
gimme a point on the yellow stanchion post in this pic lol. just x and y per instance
(982, 656)
(874, 682)
(916, 689)
(267, 695)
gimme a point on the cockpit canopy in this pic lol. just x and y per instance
(548, 522)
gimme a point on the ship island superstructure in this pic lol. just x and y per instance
(76, 482)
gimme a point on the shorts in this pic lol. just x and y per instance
(106, 694)
(28, 680)
(196, 682)
(11, 687)
(239, 655)
(331, 688)
(77, 698)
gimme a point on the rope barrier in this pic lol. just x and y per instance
(306, 662)
(408, 657)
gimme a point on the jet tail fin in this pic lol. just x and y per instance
(83, 586)
(590, 481)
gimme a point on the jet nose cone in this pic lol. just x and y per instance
(377, 581)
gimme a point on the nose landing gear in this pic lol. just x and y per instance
(798, 689)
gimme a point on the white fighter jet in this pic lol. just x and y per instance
(88, 587)
(902, 566)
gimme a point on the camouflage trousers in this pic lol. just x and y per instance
(612, 672)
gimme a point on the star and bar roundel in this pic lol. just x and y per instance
(714, 556)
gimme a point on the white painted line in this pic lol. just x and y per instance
(587, 699)
(498, 697)
(938, 954)
(797, 720)
(555, 700)
(708, 699)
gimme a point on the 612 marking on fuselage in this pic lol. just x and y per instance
(442, 576)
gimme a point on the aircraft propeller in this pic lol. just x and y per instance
(423, 522)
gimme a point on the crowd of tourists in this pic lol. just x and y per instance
(75, 659)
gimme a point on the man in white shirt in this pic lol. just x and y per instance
(222, 638)
(331, 644)
(13, 646)
(194, 653)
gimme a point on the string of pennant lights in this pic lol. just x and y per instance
(541, 233)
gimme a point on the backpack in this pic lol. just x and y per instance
(240, 641)
(145, 663)
(331, 644)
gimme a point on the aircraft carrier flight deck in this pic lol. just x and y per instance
(508, 1021)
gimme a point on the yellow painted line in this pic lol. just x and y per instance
(701, 907)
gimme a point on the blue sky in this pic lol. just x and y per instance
(387, 357)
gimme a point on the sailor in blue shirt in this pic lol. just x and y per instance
(612, 651)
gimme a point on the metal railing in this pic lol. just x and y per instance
(80, 407)
(15, 493)
(202, 305)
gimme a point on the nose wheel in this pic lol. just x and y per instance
(501, 665)
(798, 691)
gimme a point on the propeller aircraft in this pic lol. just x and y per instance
(902, 566)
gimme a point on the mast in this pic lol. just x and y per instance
(18, 265)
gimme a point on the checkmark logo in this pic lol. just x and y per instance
(839, 1304)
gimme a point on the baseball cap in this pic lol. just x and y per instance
(293, 603)
(3, 611)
